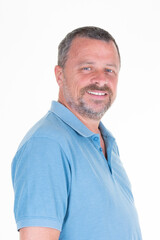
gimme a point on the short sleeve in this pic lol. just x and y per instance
(41, 182)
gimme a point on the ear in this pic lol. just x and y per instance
(59, 75)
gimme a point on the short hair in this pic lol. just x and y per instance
(85, 32)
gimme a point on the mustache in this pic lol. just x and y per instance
(95, 87)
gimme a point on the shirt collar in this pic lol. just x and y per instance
(105, 131)
(69, 118)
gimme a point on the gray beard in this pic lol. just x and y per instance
(84, 109)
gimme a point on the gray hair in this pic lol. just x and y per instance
(86, 32)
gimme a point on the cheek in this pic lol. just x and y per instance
(74, 89)
(78, 84)
(113, 84)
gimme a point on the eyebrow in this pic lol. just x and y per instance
(108, 64)
(111, 65)
(82, 63)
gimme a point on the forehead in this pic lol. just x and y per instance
(87, 47)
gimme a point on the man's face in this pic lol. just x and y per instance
(89, 79)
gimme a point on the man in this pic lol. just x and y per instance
(68, 179)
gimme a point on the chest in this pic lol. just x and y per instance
(100, 193)
(92, 174)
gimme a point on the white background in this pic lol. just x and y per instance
(30, 33)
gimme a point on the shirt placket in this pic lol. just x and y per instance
(96, 142)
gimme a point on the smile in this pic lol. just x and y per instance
(97, 93)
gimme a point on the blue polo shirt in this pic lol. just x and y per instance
(62, 180)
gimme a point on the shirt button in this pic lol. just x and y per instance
(100, 149)
(95, 138)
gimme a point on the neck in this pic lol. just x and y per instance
(91, 124)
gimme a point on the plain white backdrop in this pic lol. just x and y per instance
(30, 33)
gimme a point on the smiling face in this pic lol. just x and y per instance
(88, 82)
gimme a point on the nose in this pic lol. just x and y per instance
(99, 78)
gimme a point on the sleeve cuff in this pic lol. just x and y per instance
(39, 222)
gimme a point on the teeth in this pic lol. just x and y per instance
(97, 93)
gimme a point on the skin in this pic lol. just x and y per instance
(90, 62)
(39, 233)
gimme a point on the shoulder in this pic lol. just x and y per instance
(47, 140)
(44, 145)
(49, 127)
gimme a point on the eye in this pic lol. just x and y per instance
(109, 70)
(86, 68)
